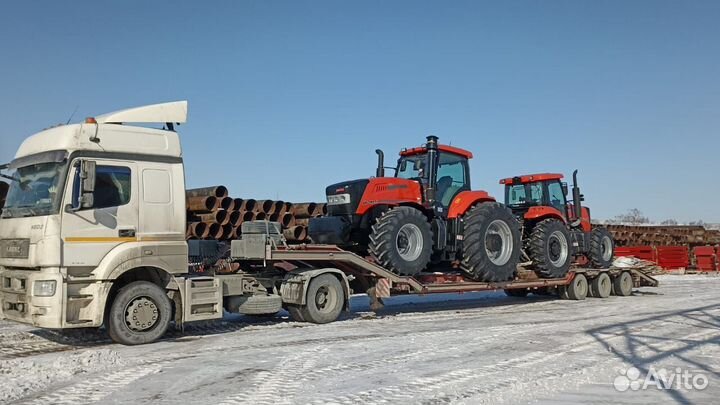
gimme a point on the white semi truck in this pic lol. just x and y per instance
(93, 234)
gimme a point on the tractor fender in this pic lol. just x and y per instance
(539, 213)
(294, 287)
(466, 200)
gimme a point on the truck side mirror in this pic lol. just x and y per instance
(83, 186)
(564, 188)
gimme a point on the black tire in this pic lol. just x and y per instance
(325, 299)
(550, 248)
(602, 248)
(153, 305)
(601, 286)
(516, 292)
(486, 255)
(401, 240)
(578, 288)
(622, 284)
(295, 313)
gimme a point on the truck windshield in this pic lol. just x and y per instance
(34, 190)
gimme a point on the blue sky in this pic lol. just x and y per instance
(287, 97)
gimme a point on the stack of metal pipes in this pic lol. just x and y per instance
(212, 214)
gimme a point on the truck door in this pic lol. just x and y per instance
(90, 233)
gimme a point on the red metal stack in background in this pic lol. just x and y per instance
(640, 252)
(673, 257)
(705, 258)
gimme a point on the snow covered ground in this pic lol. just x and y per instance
(471, 348)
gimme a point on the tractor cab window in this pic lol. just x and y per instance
(451, 177)
(556, 196)
(523, 195)
(411, 167)
(515, 195)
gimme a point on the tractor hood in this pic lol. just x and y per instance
(344, 198)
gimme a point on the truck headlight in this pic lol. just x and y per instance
(338, 199)
(44, 288)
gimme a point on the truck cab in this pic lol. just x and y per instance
(90, 204)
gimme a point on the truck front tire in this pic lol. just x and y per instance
(139, 314)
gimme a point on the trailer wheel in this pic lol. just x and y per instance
(491, 243)
(622, 284)
(550, 249)
(577, 289)
(601, 286)
(324, 301)
(516, 292)
(401, 240)
(602, 248)
(140, 313)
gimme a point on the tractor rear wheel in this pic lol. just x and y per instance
(549, 248)
(491, 243)
(602, 248)
(401, 240)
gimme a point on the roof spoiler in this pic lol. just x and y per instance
(172, 112)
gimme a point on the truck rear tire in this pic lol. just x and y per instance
(549, 248)
(622, 284)
(401, 241)
(578, 288)
(491, 243)
(139, 314)
(602, 248)
(601, 286)
(324, 301)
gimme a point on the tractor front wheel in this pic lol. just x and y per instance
(549, 248)
(602, 248)
(401, 240)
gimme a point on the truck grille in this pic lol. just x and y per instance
(14, 248)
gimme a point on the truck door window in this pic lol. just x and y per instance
(112, 186)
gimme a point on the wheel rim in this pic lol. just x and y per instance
(409, 242)
(141, 314)
(581, 286)
(498, 242)
(606, 248)
(557, 249)
(326, 299)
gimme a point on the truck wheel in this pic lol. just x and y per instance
(601, 286)
(578, 288)
(491, 243)
(622, 285)
(602, 248)
(140, 313)
(401, 240)
(295, 313)
(325, 300)
(549, 248)
(516, 292)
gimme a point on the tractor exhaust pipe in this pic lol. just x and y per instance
(380, 172)
(577, 197)
(432, 156)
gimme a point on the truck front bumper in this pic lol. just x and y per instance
(18, 304)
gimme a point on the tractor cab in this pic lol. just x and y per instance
(536, 190)
(443, 173)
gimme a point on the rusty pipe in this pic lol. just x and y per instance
(227, 231)
(320, 210)
(219, 216)
(215, 231)
(238, 204)
(214, 191)
(287, 219)
(264, 206)
(273, 217)
(246, 216)
(198, 229)
(303, 210)
(295, 233)
(259, 216)
(301, 221)
(225, 203)
(201, 204)
(248, 205)
(237, 232)
(234, 218)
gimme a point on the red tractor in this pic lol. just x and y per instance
(425, 213)
(555, 232)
